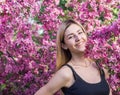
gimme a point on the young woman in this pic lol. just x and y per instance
(76, 74)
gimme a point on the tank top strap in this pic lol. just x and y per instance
(102, 73)
(74, 73)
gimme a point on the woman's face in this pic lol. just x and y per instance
(75, 38)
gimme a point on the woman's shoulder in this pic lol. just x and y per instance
(65, 72)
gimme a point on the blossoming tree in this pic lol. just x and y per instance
(28, 35)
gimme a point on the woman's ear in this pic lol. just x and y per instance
(64, 46)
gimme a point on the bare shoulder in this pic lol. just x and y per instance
(65, 72)
(60, 79)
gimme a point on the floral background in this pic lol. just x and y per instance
(28, 40)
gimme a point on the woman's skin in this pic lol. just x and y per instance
(74, 40)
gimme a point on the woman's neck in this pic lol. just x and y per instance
(80, 60)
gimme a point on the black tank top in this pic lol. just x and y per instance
(81, 87)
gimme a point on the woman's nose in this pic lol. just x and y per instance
(77, 38)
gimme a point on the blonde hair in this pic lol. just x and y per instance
(63, 56)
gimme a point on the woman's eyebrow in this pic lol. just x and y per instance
(79, 30)
(69, 34)
(72, 33)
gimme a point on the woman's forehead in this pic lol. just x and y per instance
(73, 28)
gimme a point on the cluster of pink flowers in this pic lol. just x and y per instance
(50, 16)
(104, 47)
(28, 56)
(23, 68)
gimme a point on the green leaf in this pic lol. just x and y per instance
(119, 89)
(115, 13)
(62, 4)
(36, 40)
(102, 16)
(1, 53)
(70, 8)
(42, 9)
(2, 87)
(37, 20)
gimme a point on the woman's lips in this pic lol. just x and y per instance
(80, 44)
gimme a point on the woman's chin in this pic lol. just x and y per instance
(82, 49)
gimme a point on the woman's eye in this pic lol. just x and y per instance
(80, 32)
(70, 37)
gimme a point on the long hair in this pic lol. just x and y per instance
(63, 56)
